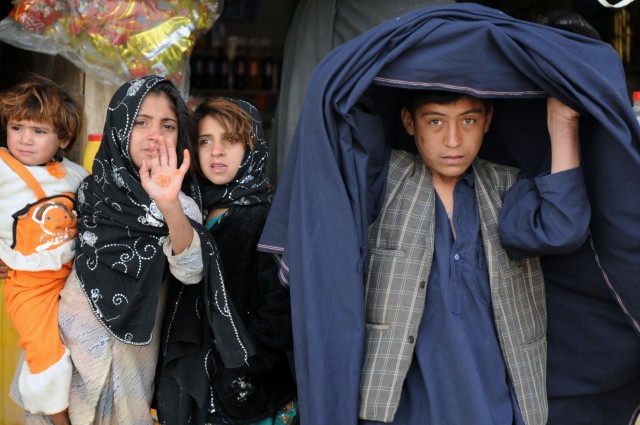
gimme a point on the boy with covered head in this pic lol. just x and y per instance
(455, 307)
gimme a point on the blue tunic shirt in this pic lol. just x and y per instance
(458, 375)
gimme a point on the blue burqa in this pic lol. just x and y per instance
(333, 181)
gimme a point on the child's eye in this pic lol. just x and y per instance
(232, 138)
(204, 142)
(40, 131)
(15, 127)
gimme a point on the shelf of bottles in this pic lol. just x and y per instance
(240, 65)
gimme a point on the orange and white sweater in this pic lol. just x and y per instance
(32, 289)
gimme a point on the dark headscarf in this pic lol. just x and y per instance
(250, 185)
(191, 353)
(120, 262)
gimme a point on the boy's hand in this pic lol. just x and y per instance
(558, 110)
(563, 123)
(161, 178)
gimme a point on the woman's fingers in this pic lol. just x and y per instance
(184, 167)
(172, 156)
(167, 152)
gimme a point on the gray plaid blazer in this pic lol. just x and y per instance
(401, 244)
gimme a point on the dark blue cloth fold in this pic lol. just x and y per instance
(333, 180)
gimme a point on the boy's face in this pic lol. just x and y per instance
(155, 119)
(448, 137)
(33, 143)
(220, 153)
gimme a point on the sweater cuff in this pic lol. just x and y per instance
(46, 392)
(187, 266)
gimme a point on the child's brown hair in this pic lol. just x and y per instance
(228, 114)
(41, 100)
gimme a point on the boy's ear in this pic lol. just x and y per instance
(487, 122)
(64, 144)
(407, 120)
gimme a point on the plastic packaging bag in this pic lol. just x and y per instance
(115, 40)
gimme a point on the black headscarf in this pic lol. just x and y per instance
(120, 262)
(250, 185)
(190, 357)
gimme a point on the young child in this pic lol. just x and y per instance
(37, 231)
(232, 157)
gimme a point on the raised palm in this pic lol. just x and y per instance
(160, 176)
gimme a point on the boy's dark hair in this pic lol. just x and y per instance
(569, 21)
(185, 120)
(41, 100)
(416, 98)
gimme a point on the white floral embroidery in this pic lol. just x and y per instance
(89, 238)
(95, 295)
(155, 211)
(81, 198)
(135, 86)
(153, 217)
(117, 178)
(244, 388)
(150, 220)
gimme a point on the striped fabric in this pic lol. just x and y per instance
(401, 242)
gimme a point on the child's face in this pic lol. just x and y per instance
(155, 120)
(220, 153)
(33, 143)
(448, 137)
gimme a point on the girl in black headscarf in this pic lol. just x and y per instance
(139, 228)
(196, 384)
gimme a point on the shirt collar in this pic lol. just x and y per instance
(467, 177)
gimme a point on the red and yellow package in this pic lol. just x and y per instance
(37, 15)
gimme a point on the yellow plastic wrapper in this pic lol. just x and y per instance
(115, 40)
(164, 46)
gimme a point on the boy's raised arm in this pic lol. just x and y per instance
(562, 122)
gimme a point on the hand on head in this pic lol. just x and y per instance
(560, 110)
(563, 124)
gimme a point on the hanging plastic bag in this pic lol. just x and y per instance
(114, 40)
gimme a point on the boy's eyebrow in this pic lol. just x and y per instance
(468, 111)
